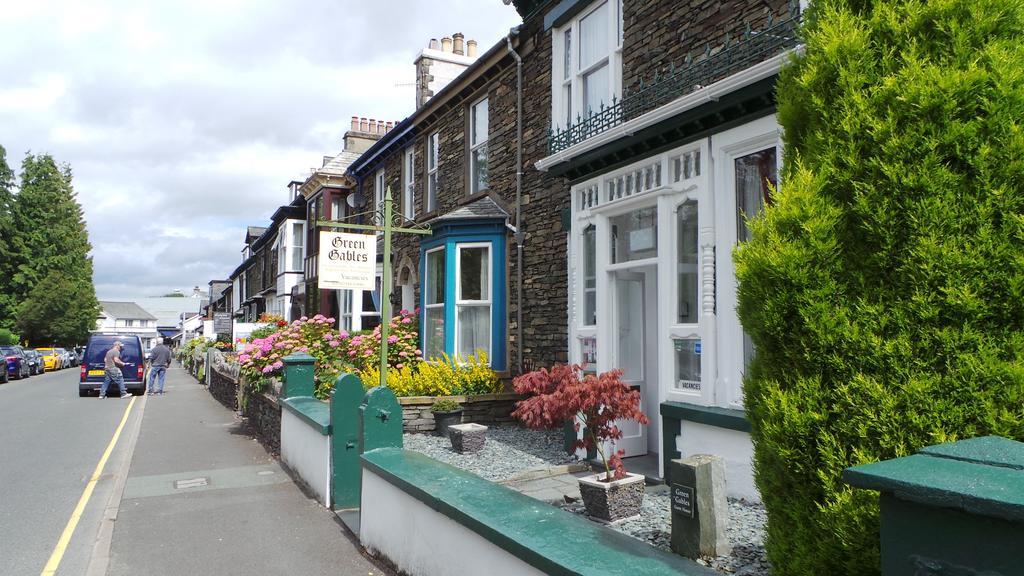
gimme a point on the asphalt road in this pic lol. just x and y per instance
(184, 491)
(50, 443)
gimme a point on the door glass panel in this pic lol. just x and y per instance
(687, 265)
(630, 320)
(635, 235)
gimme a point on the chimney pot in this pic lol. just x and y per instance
(389, 126)
(364, 125)
(446, 44)
(471, 48)
(355, 123)
(458, 46)
(434, 44)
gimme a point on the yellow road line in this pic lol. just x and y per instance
(65, 537)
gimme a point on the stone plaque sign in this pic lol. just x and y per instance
(222, 323)
(682, 500)
(347, 261)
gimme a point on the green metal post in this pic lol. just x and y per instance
(346, 399)
(385, 290)
(298, 375)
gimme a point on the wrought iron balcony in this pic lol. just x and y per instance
(751, 48)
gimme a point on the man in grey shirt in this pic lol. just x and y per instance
(159, 360)
(112, 364)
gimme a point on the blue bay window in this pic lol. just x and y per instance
(463, 296)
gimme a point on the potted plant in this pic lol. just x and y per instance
(446, 412)
(565, 393)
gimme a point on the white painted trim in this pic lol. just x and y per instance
(489, 303)
(711, 93)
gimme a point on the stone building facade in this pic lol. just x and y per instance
(453, 206)
(663, 124)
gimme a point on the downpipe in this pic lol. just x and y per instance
(519, 235)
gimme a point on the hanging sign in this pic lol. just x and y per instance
(347, 261)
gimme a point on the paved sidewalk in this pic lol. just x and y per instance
(202, 497)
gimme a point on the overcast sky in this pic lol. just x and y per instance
(184, 120)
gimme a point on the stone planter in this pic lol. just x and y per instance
(467, 438)
(442, 420)
(612, 501)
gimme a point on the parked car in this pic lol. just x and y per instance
(76, 354)
(63, 355)
(51, 359)
(35, 361)
(3, 376)
(91, 370)
(17, 362)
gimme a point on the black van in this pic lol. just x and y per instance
(92, 365)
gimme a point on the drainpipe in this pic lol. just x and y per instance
(519, 236)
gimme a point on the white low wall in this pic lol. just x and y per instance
(732, 445)
(308, 453)
(423, 542)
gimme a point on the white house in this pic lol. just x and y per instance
(127, 318)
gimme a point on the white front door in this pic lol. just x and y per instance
(631, 350)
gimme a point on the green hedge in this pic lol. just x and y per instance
(884, 288)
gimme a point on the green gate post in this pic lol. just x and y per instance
(380, 420)
(298, 375)
(953, 509)
(346, 399)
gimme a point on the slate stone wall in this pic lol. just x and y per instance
(545, 291)
(224, 389)
(263, 414)
(483, 409)
(659, 33)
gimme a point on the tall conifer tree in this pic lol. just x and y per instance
(884, 289)
(52, 246)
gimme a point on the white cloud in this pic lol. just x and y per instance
(184, 120)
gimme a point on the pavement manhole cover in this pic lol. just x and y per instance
(191, 483)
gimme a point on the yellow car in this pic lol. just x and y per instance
(51, 359)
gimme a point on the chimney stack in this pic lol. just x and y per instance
(435, 68)
(364, 132)
(446, 44)
(457, 47)
(471, 48)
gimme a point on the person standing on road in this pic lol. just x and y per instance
(159, 360)
(112, 364)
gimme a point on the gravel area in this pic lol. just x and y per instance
(508, 451)
(746, 532)
(511, 450)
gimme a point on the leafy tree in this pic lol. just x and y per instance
(60, 309)
(50, 242)
(884, 289)
(7, 254)
(8, 338)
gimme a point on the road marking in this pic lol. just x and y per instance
(65, 537)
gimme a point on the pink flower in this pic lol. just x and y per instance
(392, 339)
(268, 369)
(303, 318)
(407, 320)
(335, 344)
(278, 364)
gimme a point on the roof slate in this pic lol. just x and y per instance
(485, 207)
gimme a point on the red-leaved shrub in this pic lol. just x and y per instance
(565, 393)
